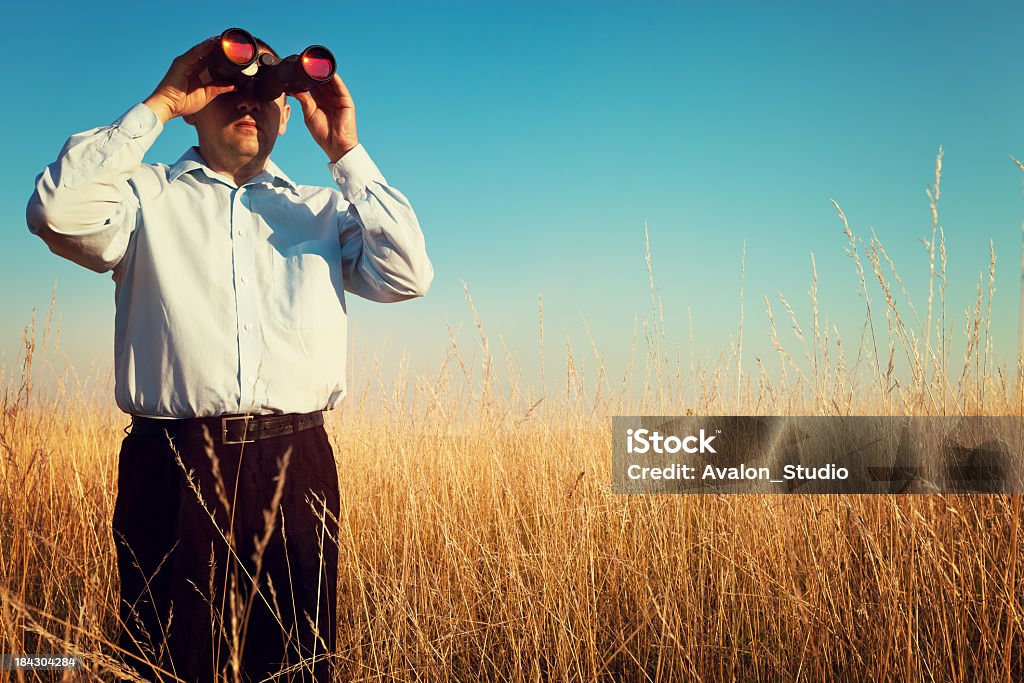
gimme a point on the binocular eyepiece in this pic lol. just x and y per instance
(237, 61)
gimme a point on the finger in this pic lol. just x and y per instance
(332, 94)
(323, 100)
(307, 102)
(342, 91)
(198, 52)
(213, 91)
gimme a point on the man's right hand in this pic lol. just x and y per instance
(180, 92)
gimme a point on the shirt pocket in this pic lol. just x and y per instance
(308, 288)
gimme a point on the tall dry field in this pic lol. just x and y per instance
(479, 538)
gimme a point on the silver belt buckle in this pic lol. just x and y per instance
(224, 430)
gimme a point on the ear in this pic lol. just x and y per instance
(286, 111)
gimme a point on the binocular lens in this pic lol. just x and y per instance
(318, 63)
(238, 46)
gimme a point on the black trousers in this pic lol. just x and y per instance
(228, 569)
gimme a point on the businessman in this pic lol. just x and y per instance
(230, 340)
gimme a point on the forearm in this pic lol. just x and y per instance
(383, 247)
(82, 202)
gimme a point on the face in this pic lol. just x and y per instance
(237, 128)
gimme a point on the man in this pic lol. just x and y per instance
(229, 342)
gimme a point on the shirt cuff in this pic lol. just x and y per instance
(353, 171)
(138, 122)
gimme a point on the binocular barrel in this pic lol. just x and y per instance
(234, 58)
(237, 61)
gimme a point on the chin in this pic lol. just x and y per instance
(246, 148)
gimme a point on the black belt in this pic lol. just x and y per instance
(230, 429)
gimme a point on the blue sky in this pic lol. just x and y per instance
(536, 139)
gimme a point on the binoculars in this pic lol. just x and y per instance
(237, 61)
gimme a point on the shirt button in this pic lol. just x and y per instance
(252, 380)
(341, 180)
(248, 327)
(241, 233)
(244, 279)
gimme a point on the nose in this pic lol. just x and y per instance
(245, 100)
(247, 104)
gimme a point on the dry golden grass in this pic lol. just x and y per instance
(479, 538)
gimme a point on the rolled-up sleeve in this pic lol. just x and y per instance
(84, 206)
(384, 257)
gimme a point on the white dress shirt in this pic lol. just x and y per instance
(228, 299)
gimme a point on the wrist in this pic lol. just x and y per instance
(335, 154)
(159, 107)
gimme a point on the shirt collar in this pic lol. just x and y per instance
(191, 160)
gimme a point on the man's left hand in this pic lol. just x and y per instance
(330, 115)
